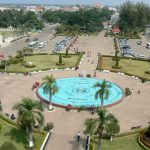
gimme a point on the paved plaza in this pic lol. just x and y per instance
(133, 111)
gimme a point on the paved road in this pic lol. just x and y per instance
(46, 33)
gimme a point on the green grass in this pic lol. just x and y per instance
(18, 137)
(121, 143)
(45, 62)
(135, 67)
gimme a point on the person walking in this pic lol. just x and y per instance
(78, 136)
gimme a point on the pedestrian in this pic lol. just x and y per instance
(139, 91)
(92, 109)
(78, 136)
(94, 73)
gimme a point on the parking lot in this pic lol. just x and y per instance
(50, 44)
(134, 48)
(139, 49)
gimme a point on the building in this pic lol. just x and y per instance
(52, 8)
(112, 8)
(99, 5)
(70, 9)
(9, 8)
(116, 30)
(37, 9)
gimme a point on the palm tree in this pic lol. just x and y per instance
(102, 92)
(29, 115)
(50, 88)
(102, 125)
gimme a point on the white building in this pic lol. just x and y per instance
(52, 8)
(112, 8)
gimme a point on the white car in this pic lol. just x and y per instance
(41, 45)
(141, 56)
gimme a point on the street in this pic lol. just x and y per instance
(46, 34)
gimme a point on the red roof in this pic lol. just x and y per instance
(116, 29)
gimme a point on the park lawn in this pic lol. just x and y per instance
(135, 67)
(18, 137)
(45, 62)
(121, 143)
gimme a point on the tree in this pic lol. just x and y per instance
(102, 92)
(0, 127)
(50, 87)
(66, 52)
(60, 59)
(8, 145)
(1, 108)
(133, 17)
(101, 124)
(29, 115)
(117, 59)
(84, 20)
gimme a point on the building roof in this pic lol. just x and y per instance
(116, 29)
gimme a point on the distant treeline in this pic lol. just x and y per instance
(87, 21)
(19, 19)
(134, 16)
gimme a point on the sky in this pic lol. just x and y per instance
(69, 2)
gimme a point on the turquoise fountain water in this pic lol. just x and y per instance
(81, 92)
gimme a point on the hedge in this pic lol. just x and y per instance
(141, 143)
(7, 120)
(130, 132)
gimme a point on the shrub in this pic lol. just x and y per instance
(49, 126)
(8, 120)
(127, 92)
(144, 139)
(8, 145)
(147, 72)
(30, 65)
(60, 63)
(60, 59)
(15, 60)
(81, 108)
(1, 108)
(88, 75)
(0, 127)
(141, 143)
(116, 67)
(67, 54)
(144, 80)
(2, 66)
(148, 132)
(77, 67)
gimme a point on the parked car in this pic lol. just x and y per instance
(141, 56)
(45, 42)
(139, 42)
(41, 45)
(128, 55)
(148, 45)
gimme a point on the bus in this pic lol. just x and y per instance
(33, 44)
